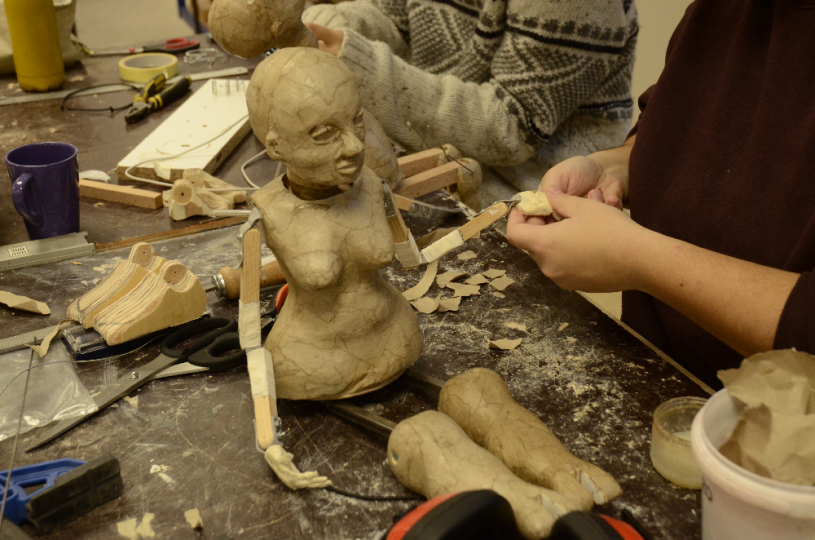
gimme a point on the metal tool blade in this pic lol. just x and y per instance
(425, 383)
(21, 341)
(122, 387)
(360, 416)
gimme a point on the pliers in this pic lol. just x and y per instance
(154, 96)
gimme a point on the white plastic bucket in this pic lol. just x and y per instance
(736, 503)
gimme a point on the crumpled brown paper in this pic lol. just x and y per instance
(775, 435)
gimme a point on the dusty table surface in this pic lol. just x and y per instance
(103, 139)
(188, 442)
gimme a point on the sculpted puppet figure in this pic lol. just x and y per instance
(344, 330)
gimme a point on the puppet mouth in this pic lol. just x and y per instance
(349, 166)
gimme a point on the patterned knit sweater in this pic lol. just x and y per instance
(519, 85)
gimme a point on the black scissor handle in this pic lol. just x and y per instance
(211, 328)
(210, 357)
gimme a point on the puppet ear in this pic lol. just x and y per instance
(271, 143)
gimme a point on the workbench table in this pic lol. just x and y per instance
(188, 442)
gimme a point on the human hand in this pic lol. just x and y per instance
(596, 248)
(328, 40)
(584, 177)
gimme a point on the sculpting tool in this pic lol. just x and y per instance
(172, 46)
(217, 335)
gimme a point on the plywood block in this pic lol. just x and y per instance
(429, 181)
(120, 194)
(420, 161)
(216, 110)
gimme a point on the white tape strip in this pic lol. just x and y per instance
(261, 373)
(407, 252)
(249, 325)
(440, 247)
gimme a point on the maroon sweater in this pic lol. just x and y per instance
(725, 159)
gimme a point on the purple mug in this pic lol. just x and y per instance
(45, 188)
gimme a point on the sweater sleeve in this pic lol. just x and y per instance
(363, 17)
(499, 122)
(796, 327)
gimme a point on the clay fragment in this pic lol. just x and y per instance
(16, 301)
(467, 255)
(493, 273)
(533, 203)
(424, 284)
(193, 517)
(499, 295)
(505, 344)
(477, 279)
(464, 290)
(144, 529)
(480, 402)
(516, 326)
(127, 529)
(449, 304)
(426, 304)
(562, 327)
(502, 283)
(451, 275)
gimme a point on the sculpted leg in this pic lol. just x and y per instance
(431, 455)
(481, 404)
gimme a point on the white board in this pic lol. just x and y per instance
(207, 114)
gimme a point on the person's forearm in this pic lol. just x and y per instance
(737, 301)
(614, 163)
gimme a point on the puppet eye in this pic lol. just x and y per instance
(324, 134)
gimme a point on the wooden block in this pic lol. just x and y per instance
(483, 220)
(270, 274)
(420, 161)
(429, 181)
(120, 194)
(402, 203)
(250, 268)
(210, 111)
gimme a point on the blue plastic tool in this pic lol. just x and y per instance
(44, 474)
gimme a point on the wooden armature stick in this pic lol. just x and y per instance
(261, 370)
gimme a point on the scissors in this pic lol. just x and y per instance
(172, 46)
(218, 335)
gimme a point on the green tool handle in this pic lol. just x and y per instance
(167, 96)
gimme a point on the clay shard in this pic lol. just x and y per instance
(461, 289)
(499, 295)
(533, 203)
(449, 304)
(431, 455)
(424, 284)
(15, 301)
(426, 304)
(505, 344)
(493, 273)
(467, 255)
(451, 275)
(158, 302)
(477, 279)
(479, 401)
(502, 283)
(516, 326)
(193, 517)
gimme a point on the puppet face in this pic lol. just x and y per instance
(318, 132)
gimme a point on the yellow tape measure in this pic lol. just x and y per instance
(143, 67)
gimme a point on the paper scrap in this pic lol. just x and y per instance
(784, 381)
(562, 327)
(461, 289)
(516, 326)
(449, 304)
(477, 279)
(493, 273)
(506, 344)
(16, 301)
(451, 275)
(502, 283)
(193, 517)
(127, 529)
(132, 401)
(424, 284)
(469, 254)
(426, 304)
(144, 530)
